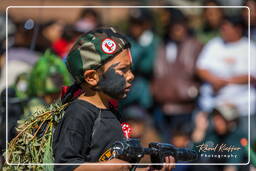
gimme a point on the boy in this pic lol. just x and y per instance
(100, 63)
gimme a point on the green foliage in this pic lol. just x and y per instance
(48, 75)
(33, 143)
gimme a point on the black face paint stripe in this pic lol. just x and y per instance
(112, 83)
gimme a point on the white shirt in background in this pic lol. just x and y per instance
(227, 60)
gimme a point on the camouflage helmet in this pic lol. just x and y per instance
(93, 49)
(48, 75)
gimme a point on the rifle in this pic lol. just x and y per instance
(131, 151)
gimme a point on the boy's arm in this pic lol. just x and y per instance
(166, 167)
(100, 167)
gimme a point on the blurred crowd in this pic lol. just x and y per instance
(191, 82)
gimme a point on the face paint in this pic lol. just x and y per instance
(112, 83)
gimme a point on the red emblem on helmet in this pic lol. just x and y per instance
(108, 46)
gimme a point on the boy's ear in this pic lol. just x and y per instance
(91, 77)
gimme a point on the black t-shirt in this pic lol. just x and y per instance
(84, 133)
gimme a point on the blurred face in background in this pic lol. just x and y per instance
(165, 16)
(213, 16)
(90, 18)
(220, 124)
(138, 128)
(230, 33)
(136, 30)
(178, 32)
(180, 141)
(54, 31)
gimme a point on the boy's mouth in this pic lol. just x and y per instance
(127, 89)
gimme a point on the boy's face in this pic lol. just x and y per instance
(117, 76)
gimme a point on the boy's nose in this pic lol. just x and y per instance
(130, 77)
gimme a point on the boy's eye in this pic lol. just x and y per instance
(124, 69)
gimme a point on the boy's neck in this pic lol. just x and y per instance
(98, 99)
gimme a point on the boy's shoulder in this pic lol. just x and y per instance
(80, 109)
(83, 105)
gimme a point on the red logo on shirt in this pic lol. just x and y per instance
(127, 130)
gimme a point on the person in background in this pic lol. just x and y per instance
(62, 45)
(89, 19)
(32, 92)
(166, 15)
(144, 43)
(48, 34)
(20, 58)
(224, 130)
(141, 127)
(45, 80)
(212, 19)
(223, 66)
(175, 85)
(181, 138)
